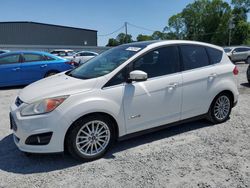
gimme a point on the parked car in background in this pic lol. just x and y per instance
(67, 54)
(248, 73)
(238, 53)
(126, 90)
(25, 67)
(4, 51)
(83, 56)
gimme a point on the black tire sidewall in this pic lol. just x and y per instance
(71, 144)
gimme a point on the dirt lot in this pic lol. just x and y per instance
(194, 154)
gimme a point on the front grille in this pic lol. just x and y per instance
(18, 101)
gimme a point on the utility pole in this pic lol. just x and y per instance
(126, 31)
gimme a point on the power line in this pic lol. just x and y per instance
(104, 35)
(140, 27)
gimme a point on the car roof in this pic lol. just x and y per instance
(156, 43)
(29, 52)
(62, 50)
(87, 52)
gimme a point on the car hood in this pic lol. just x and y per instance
(57, 85)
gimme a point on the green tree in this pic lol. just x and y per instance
(141, 37)
(158, 35)
(244, 4)
(112, 42)
(202, 20)
(176, 27)
(122, 38)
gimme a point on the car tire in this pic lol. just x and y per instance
(90, 138)
(247, 60)
(51, 73)
(220, 108)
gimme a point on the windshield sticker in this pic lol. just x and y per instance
(134, 49)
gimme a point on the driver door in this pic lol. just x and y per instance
(156, 101)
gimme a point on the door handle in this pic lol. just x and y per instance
(172, 86)
(45, 65)
(212, 76)
(16, 69)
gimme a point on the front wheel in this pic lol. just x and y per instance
(220, 108)
(90, 138)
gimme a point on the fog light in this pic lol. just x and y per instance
(39, 139)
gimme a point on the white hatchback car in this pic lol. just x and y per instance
(126, 90)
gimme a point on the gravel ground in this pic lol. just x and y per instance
(194, 154)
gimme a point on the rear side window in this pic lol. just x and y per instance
(194, 56)
(215, 55)
(32, 57)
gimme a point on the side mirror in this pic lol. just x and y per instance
(138, 76)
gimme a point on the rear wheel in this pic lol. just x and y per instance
(220, 108)
(90, 138)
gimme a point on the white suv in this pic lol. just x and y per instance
(129, 89)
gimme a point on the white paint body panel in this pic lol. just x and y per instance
(135, 106)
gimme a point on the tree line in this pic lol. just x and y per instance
(212, 21)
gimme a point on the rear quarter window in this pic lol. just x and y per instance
(215, 55)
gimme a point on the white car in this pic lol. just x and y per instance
(239, 53)
(125, 91)
(64, 53)
(83, 56)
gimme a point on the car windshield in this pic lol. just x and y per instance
(227, 50)
(104, 63)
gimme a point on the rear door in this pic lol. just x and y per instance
(198, 76)
(33, 66)
(10, 70)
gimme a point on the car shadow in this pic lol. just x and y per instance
(14, 161)
(245, 85)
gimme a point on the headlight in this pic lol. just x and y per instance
(43, 106)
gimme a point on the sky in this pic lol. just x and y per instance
(105, 16)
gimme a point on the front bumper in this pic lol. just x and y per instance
(27, 126)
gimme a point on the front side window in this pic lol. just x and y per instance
(32, 57)
(159, 62)
(105, 63)
(9, 59)
(194, 56)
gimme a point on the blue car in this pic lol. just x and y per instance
(22, 68)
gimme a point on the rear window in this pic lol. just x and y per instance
(214, 55)
(194, 56)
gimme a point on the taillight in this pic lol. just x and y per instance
(236, 71)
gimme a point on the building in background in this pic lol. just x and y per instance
(40, 36)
